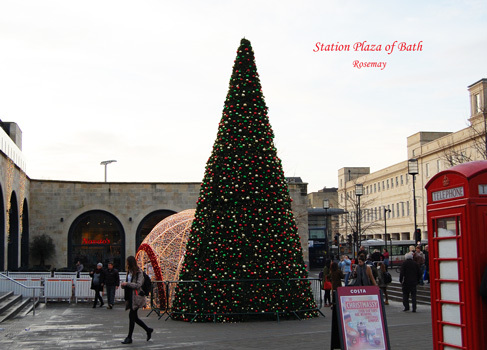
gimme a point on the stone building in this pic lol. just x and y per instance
(90, 221)
(387, 197)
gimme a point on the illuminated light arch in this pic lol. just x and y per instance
(161, 254)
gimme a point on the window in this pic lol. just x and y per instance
(378, 186)
(383, 186)
(389, 211)
(341, 183)
(375, 188)
(402, 180)
(397, 211)
(427, 170)
(393, 210)
(478, 105)
(392, 182)
(407, 206)
(407, 179)
(402, 207)
(397, 181)
(387, 183)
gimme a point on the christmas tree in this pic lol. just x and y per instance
(244, 247)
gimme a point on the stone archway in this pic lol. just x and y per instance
(96, 236)
(24, 240)
(13, 234)
(148, 223)
(2, 231)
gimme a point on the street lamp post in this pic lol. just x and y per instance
(326, 206)
(359, 191)
(385, 228)
(105, 163)
(413, 170)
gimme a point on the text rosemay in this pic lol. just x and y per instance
(364, 46)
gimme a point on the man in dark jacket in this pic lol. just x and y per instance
(409, 277)
(112, 282)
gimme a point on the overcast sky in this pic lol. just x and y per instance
(144, 82)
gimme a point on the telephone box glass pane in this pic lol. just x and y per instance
(451, 313)
(452, 335)
(449, 291)
(446, 227)
(449, 270)
(447, 248)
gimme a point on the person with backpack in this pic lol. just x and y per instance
(383, 279)
(133, 298)
(112, 281)
(97, 281)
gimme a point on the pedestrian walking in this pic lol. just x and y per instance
(362, 251)
(426, 276)
(97, 282)
(363, 274)
(381, 281)
(418, 258)
(376, 256)
(133, 299)
(327, 287)
(409, 276)
(385, 254)
(346, 267)
(336, 276)
(112, 282)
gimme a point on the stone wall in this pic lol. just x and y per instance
(55, 205)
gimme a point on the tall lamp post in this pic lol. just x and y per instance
(385, 228)
(413, 170)
(359, 191)
(105, 163)
(326, 206)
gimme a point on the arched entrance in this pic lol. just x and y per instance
(13, 234)
(96, 236)
(24, 240)
(2, 232)
(148, 223)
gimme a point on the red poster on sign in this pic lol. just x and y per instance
(361, 316)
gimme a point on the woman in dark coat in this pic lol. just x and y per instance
(133, 299)
(97, 282)
(336, 278)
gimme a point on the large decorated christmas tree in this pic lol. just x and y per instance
(244, 249)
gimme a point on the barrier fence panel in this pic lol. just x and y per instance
(15, 275)
(82, 289)
(120, 292)
(9, 286)
(318, 293)
(58, 288)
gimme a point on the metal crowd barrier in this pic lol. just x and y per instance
(163, 293)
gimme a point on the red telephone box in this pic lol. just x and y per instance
(457, 227)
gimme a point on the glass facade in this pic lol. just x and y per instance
(96, 236)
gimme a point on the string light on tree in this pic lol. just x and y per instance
(244, 229)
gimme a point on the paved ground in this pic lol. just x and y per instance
(79, 326)
(64, 326)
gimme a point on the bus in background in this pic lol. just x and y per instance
(396, 248)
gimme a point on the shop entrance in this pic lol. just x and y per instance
(96, 236)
